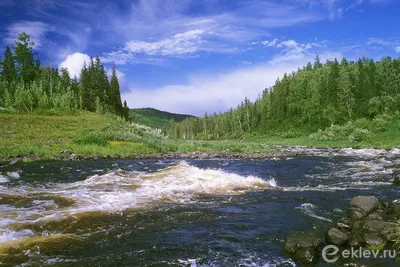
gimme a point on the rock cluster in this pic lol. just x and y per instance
(368, 224)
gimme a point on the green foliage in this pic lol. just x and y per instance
(341, 132)
(93, 139)
(288, 134)
(351, 101)
(26, 86)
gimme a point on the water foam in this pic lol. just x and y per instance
(310, 210)
(3, 179)
(118, 190)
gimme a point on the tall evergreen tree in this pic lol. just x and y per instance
(24, 57)
(115, 92)
(8, 66)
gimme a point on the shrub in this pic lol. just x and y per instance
(381, 122)
(288, 134)
(359, 135)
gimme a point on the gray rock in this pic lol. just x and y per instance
(375, 216)
(376, 226)
(341, 226)
(336, 237)
(373, 239)
(302, 246)
(355, 241)
(367, 203)
(355, 214)
(14, 161)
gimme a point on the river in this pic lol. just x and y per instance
(200, 212)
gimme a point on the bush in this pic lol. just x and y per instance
(288, 134)
(363, 123)
(381, 122)
(334, 132)
(348, 131)
(359, 135)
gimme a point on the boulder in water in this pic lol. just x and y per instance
(336, 237)
(368, 204)
(303, 246)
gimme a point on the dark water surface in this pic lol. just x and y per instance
(179, 213)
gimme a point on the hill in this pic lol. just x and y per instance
(155, 118)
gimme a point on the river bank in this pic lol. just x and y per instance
(85, 135)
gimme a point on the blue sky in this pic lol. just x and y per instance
(193, 56)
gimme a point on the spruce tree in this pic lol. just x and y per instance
(115, 92)
(24, 57)
(8, 66)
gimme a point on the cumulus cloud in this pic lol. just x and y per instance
(74, 63)
(398, 49)
(215, 93)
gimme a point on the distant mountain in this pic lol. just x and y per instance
(155, 118)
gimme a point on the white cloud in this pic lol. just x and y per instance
(214, 93)
(74, 63)
(379, 41)
(292, 50)
(182, 43)
(35, 29)
(398, 49)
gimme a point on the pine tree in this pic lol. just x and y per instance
(24, 57)
(8, 73)
(126, 110)
(115, 94)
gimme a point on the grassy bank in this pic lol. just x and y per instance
(40, 137)
(383, 140)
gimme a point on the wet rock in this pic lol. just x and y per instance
(341, 226)
(336, 237)
(15, 161)
(373, 239)
(356, 213)
(366, 203)
(376, 226)
(356, 241)
(302, 246)
(375, 216)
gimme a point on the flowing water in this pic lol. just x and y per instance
(213, 212)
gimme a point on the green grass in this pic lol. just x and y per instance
(385, 140)
(155, 118)
(47, 136)
(86, 133)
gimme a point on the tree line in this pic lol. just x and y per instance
(314, 97)
(27, 86)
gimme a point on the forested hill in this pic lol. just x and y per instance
(156, 118)
(345, 100)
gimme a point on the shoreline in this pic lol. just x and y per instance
(69, 156)
(278, 152)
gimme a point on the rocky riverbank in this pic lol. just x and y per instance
(68, 156)
(370, 225)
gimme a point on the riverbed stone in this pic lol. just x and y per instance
(376, 226)
(366, 203)
(336, 237)
(302, 246)
(355, 213)
(375, 216)
(373, 239)
(14, 161)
